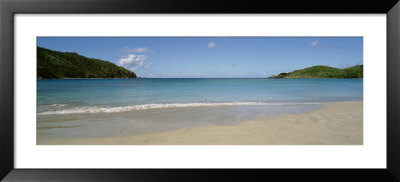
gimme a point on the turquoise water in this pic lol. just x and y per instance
(125, 107)
(117, 95)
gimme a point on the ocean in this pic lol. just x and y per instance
(118, 107)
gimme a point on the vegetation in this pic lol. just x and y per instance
(53, 64)
(324, 72)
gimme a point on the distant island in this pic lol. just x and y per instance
(57, 65)
(324, 72)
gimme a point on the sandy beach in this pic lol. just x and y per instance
(332, 124)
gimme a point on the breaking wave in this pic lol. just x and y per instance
(97, 109)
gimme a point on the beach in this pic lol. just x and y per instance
(339, 123)
(217, 91)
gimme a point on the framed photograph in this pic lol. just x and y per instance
(132, 90)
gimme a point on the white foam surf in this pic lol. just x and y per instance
(97, 109)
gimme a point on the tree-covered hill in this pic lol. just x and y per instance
(324, 72)
(55, 64)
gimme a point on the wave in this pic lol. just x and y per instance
(97, 109)
(59, 105)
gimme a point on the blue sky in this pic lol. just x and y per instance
(231, 57)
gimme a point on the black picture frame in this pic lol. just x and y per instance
(8, 8)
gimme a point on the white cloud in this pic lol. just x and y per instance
(137, 50)
(132, 61)
(212, 44)
(319, 45)
(315, 43)
(148, 65)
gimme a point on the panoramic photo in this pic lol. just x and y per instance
(199, 91)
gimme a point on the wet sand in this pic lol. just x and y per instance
(332, 124)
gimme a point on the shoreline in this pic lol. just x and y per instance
(155, 106)
(332, 124)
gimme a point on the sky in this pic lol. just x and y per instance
(213, 57)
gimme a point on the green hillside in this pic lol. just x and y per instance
(324, 72)
(54, 64)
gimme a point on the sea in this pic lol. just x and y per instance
(81, 108)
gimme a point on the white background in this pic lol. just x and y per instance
(370, 155)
